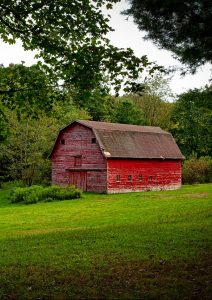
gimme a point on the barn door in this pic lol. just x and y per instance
(79, 179)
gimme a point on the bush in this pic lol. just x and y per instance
(27, 195)
(62, 193)
(11, 184)
(197, 170)
(36, 193)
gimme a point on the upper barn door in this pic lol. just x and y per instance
(79, 179)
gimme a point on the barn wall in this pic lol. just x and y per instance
(97, 181)
(165, 174)
(78, 142)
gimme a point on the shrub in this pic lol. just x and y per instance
(27, 195)
(197, 170)
(62, 193)
(34, 194)
(12, 184)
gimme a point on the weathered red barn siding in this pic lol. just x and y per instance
(113, 158)
(91, 175)
(166, 174)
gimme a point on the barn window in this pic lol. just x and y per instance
(62, 142)
(77, 160)
(93, 141)
(117, 178)
(140, 177)
(129, 177)
(150, 178)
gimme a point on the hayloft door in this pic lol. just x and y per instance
(79, 179)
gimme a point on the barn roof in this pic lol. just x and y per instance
(133, 141)
(120, 127)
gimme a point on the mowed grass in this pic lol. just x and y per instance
(150, 245)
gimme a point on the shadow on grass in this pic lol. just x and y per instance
(119, 280)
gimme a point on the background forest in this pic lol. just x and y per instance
(79, 75)
(28, 131)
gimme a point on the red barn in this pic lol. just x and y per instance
(111, 158)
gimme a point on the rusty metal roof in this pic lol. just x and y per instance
(133, 141)
(121, 127)
(129, 144)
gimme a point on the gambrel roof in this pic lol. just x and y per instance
(132, 141)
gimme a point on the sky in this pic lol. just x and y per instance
(126, 34)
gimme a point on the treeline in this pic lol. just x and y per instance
(32, 111)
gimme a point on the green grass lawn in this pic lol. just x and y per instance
(150, 245)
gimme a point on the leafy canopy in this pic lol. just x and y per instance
(183, 27)
(28, 88)
(24, 155)
(192, 118)
(70, 36)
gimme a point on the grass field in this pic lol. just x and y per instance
(150, 245)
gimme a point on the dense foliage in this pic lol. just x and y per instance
(29, 127)
(25, 153)
(28, 88)
(70, 39)
(197, 170)
(31, 111)
(192, 122)
(184, 27)
(36, 193)
(3, 125)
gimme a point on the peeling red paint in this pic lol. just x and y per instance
(145, 175)
(91, 173)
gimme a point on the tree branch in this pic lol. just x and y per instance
(10, 91)
(12, 28)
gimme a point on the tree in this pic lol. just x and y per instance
(32, 108)
(154, 101)
(192, 118)
(156, 112)
(183, 27)
(101, 107)
(127, 112)
(28, 88)
(159, 85)
(3, 124)
(70, 36)
(25, 154)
